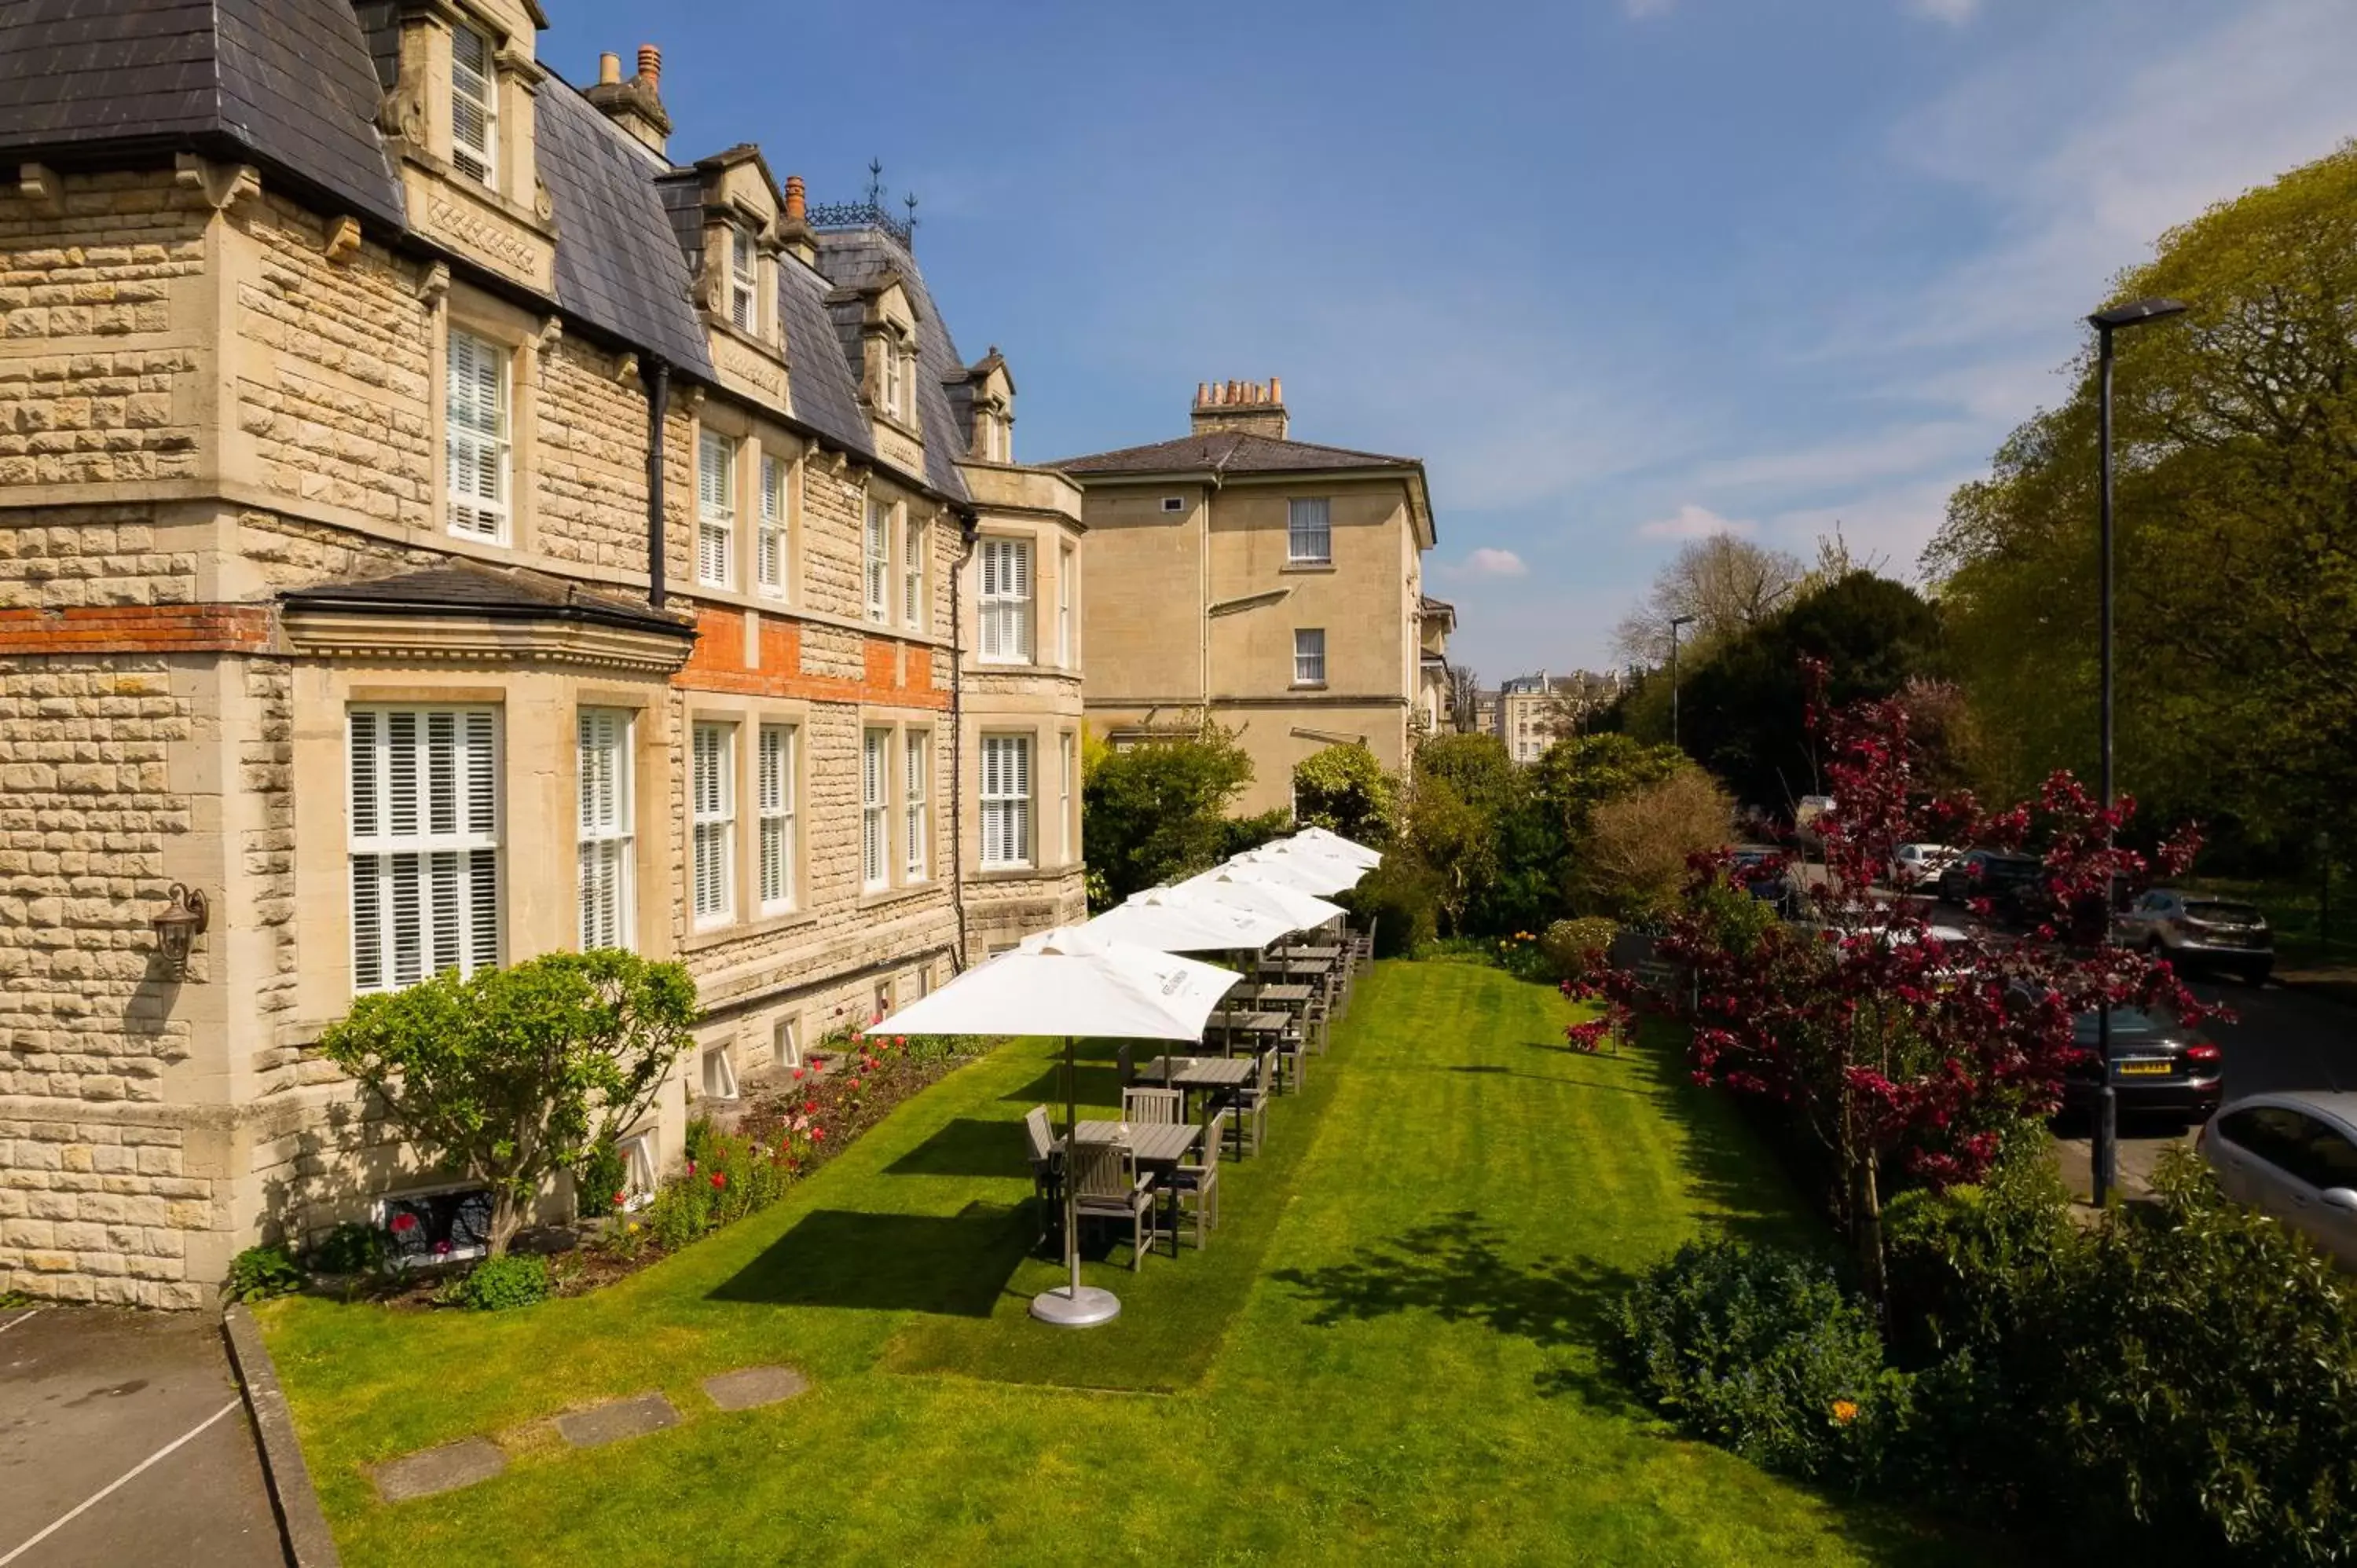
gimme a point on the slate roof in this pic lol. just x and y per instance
(468, 588)
(826, 393)
(617, 267)
(856, 256)
(289, 81)
(1229, 452)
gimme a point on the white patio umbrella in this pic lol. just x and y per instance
(1331, 842)
(1305, 911)
(1071, 981)
(1309, 873)
(1170, 920)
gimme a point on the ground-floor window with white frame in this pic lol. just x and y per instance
(1006, 800)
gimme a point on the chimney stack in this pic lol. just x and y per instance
(794, 222)
(1255, 408)
(635, 105)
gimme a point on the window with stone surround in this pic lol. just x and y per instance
(1309, 656)
(477, 455)
(770, 545)
(875, 787)
(744, 280)
(875, 561)
(917, 833)
(1005, 601)
(715, 510)
(1005, 801)
(1066, 826)
(916, 556)
(474, 105)
(1068, 647)
(719, 1074)
(607, 836)
(422, 796)
(774, 779)
(713, 788)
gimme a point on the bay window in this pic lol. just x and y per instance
(422, 794)
(606, 837)
(1005, 601)
(1005, 801)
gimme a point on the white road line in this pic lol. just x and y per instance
(103, 1492)
(16, 1320)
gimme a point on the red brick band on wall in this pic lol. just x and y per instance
(136, 629)
(897, 677)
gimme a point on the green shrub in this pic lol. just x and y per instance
(1575, 950)
(497, 1284)
(1761, 1351)
(1403, 898)
(596, 1180)
(2189, 1367)
(260, 1273)
(349, 1249)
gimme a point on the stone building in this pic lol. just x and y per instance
(436, 527)
(1533, 712)
(1273, 586)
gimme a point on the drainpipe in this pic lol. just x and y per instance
(967, 530)
(656, 374)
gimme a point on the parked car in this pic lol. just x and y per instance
(2199, 933)
(2158, 1065)
(2012, 883)
(1768, 875)
(1914, 865)
(2294, 1156)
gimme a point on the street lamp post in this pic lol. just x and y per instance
(2106, 322)
(1676, 622)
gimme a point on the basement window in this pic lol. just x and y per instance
(719, 1074)
(427, 1227)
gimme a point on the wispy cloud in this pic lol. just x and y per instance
(1692, 522)
(1489, 562)
(1955, 12)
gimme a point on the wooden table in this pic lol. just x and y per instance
(1154, 1143)
(1282, 996)
(1251, 1025)
(1318, 950)
(1209, 1074)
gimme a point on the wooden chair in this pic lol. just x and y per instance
(1316, 1019)
(1047, 1170)
(1197, 1183)
(1152, 1107)
(1250, 1102)
(1106, 1185)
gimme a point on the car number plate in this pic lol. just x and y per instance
(2149, 1068)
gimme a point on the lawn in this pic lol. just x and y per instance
(1387, 1354)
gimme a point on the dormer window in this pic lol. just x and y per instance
(474, 105)
(744, 278)
(896, 383)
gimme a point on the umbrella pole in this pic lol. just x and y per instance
(1079, 1306)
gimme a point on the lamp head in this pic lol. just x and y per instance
(2135, 313)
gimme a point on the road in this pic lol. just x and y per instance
(2282, 1037)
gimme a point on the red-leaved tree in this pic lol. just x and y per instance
(1902, 1047)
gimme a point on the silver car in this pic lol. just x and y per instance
(2197, 932)
(2294, 1156)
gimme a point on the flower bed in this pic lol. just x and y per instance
(846, 1086)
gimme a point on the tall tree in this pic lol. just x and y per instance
(1726, 583)
(1158, 810)
(2236, 433)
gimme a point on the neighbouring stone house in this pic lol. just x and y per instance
(1533, 712)
(1271, 586)
(438, 527)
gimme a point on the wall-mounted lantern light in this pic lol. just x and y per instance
(179, 925)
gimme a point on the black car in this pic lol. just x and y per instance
(2015, 885)
(2158, 1065)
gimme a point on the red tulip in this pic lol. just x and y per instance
(621, 1198)
(818, 1135)
(719, 1180)
(810, 1107)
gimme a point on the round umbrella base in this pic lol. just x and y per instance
(1069, 1309)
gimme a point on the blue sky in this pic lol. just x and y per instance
(1621, 271)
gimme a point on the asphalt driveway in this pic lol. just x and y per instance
(122, 1441)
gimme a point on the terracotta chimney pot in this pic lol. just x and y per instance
(651, 65)
(797, 200)
(1202, 393)
(609, 69)
(1276, 390)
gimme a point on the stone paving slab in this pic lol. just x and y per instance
(443, 1469)
(616, 1419)
(749, 1388)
